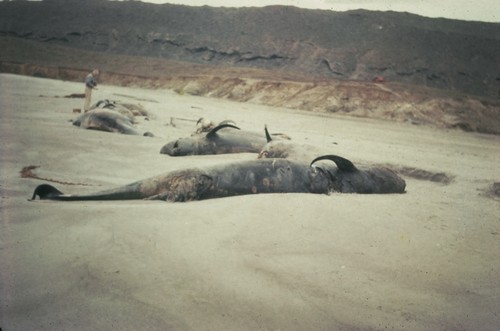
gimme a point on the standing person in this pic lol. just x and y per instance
(90, 84)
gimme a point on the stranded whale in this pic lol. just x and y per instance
(247, 177)
(216, 141)
(107, 120)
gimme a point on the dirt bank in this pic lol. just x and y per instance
(387, 101)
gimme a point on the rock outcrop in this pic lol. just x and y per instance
(355, 45)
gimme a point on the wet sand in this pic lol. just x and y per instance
(424, 260)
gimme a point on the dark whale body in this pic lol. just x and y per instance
(247, 177)
(107, 120)
(216, 142)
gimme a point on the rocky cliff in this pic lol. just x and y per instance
(357, 45)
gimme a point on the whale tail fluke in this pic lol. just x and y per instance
(45, 192)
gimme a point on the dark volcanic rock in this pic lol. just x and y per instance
(361, 45)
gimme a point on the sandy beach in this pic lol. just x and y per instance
(424, 260)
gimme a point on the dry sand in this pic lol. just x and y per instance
(424, 260)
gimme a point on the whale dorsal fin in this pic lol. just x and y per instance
(268, 136)
(213, 132)
(342, 164)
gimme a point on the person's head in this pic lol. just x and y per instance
(95, 72)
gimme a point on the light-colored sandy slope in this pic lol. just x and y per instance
(424, 260)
